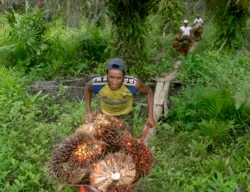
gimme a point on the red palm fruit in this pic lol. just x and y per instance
(105, 128)
(116, 172)
(141, 154)
(71, 160)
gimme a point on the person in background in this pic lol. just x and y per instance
(183, 41)
(197, 27)
(185, 30)
(198, 21)
(115, 93)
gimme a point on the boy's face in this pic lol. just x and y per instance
(115, 79)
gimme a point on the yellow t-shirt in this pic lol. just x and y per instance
(118, 102)
(115, 102)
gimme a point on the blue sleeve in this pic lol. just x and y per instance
(98, 83)
(130, 83)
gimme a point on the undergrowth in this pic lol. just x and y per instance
(202, 145)
(202, 142)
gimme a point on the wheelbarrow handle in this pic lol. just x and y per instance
(145, 131)
(81, 188)
(85, 188)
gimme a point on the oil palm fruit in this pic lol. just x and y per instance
(141, 154)
(71, 160)
(105, 128)
(114, 173)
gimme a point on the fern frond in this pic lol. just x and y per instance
(218, 131)
(218, 104)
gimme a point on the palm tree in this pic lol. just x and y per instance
(130, 28)
(230, 18)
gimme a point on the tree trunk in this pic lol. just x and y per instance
(73, 13)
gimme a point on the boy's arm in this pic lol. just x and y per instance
(88, 92)
(145, 89)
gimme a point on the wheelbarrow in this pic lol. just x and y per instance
(89, 188)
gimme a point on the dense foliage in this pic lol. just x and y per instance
(35, 46)
(202, 142)
(230, 18)
(171, 12)
(31, 126)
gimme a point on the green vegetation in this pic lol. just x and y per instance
(47, 51)
(130, 29)
(202, 143)
(230, 18)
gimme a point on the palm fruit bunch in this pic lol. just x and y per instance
(116, 172)
(200, 29)
(140, 152)
(197, 31)
(185, 38)
(105, 128)
(185, 42)
(71, 160)
(176, 45)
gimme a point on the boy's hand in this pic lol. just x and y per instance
(88, 117)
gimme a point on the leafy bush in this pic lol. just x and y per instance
(48, 52)
(207, 107)
(28, 134)
(214, 69)
(207, 128)
(24, 38)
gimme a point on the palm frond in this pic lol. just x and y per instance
(218, 131)
(218, 104)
